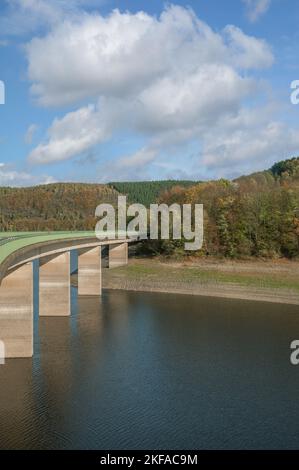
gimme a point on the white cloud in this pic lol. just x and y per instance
(30, 133)
(256, 8)
(168, 78)
(251, 139)
(128, 168)
(26, 16)
(248, 52)
(138, 159)
(11, 177)
(122, 54)
(73, 134)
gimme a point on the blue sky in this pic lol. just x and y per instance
(100, 90)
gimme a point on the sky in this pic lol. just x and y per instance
(106, 90)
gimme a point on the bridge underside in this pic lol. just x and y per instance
(16, 292)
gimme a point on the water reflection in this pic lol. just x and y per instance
(137, 370)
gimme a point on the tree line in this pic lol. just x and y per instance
(251, 216)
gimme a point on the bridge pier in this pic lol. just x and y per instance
(89, 271)
(54, 285)
(118, 255)
(16, 312)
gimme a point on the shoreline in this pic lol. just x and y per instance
(249, 280)
(225, 292)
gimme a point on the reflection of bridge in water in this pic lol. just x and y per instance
(52, 250)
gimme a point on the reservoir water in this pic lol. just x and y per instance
(155, 371)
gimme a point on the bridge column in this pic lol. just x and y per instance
(16, 312)
(89, 271)
(54, 285)
(118, 255)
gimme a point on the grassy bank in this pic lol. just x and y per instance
(274, 281)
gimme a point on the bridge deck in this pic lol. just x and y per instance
(11, 242)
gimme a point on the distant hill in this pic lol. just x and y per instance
(285, 172)
(253, 215)
(70, 206)
(286, 169)
(59, 206)
(147, 192)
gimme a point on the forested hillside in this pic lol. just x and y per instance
(69, 206)
(147, 192)
(63, 206)
(255, 215)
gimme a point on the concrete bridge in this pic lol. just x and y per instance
(52, 250)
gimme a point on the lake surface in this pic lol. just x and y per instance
(147, 370)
